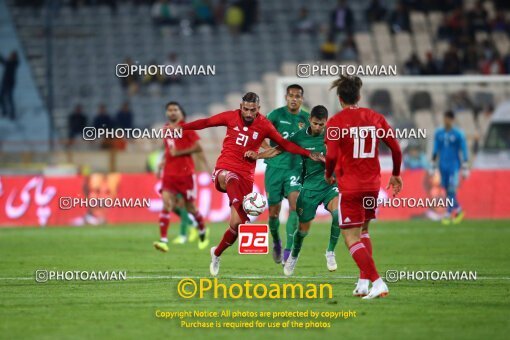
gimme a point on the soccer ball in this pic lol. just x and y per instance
(254, 204)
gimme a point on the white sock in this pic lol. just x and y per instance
(363, 284)
(378, 282)
(164, 240)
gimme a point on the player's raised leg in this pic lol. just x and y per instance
(164, 221)
(236, 189)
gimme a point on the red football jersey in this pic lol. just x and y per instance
(240, 138)
(180, 165)
(353, 148)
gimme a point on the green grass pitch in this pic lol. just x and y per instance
(126, 309)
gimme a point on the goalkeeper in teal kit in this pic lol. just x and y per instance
(450, 156)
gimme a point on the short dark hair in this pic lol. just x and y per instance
(178, 105)
(251, 97)
(348, 88)
(297, 87)
(449, 114)
(319, 112)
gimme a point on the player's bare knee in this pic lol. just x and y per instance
(274, 210)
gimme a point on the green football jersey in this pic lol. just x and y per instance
(286, 124)
(313, 172)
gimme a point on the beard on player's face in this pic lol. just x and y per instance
(249, 112)
(174, 115)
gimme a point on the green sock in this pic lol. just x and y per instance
(291, 228)
(298, 241)
(274, 225)
(335, 231)
(183, 214)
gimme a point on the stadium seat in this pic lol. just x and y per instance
(380, 101)
(420, 100)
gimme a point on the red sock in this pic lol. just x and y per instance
(164, 220)
(365, 239)
(228, 239)
(364, 261)
(236, 196)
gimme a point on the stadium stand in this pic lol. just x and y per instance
(89, 40)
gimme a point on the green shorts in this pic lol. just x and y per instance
(280, 183)
(309, 200)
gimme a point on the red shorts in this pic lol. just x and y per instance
(184, 185)
(243, 188)
(357, 207)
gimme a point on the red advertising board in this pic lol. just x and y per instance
(34, 200)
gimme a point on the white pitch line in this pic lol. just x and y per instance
(169, 277)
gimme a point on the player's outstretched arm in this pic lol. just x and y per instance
(188, 151)
(269, 153)
(220, 119)
(289, 146)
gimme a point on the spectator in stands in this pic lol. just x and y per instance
(305, 24)
(341, 19)
(155, 78)
(202, 13)
(124, 117)
(375, 11)
(328, 48)
(478, 18)
(129, 83)
(399, 18)
(8, 83)
(499, 23)
(444, 31)
(460, 101)
(506, 63)
(219, 11)
(234, 18)
(348, 49)
(492, 64)
(431, 66)
(76, 122)
(103, 119)
(451, 61)
(250, 14)
(470, 60)
(413, 65)
(164, 13)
